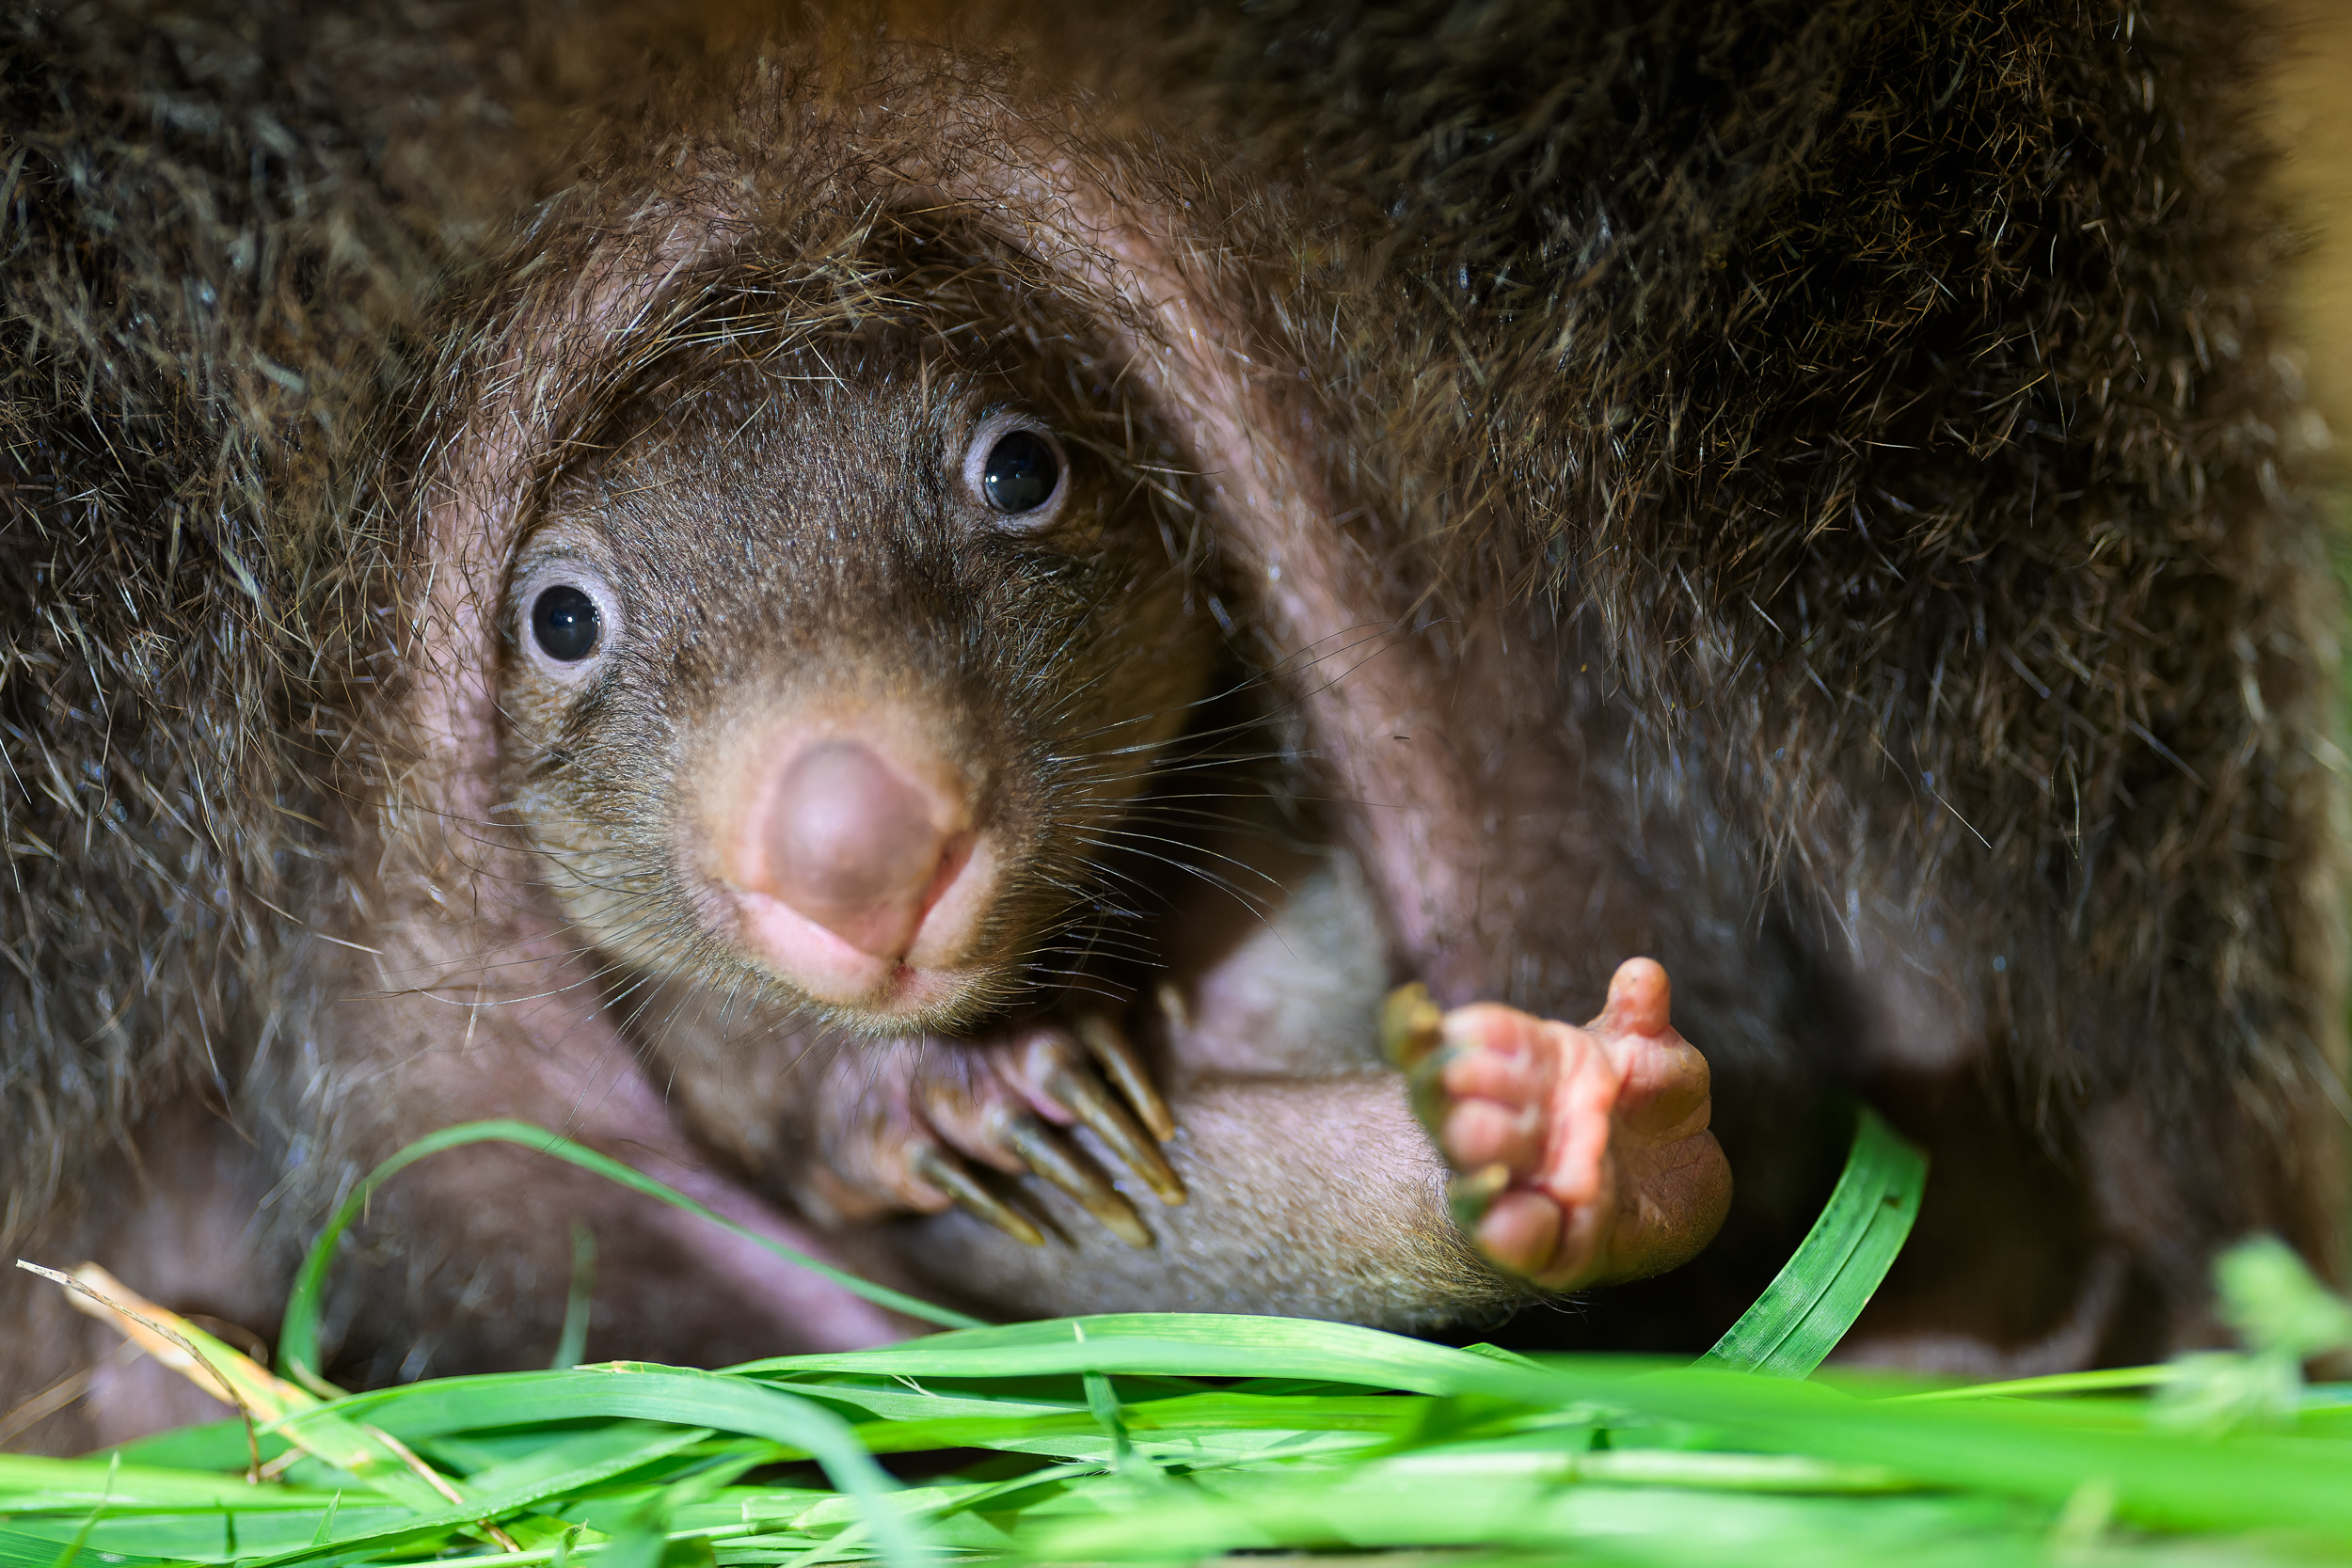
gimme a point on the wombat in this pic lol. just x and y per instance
(1787, 502)
(827, 685)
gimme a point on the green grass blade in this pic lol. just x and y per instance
(1819, 1293)
(2163, 1480)
(435, 1407)
(571, 1346)
(30, 1481)
(1182, 1344)
(2107, 1379)
(680, 1399)
(20, 1550)
(298, 1340)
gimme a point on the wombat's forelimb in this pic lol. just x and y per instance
(1583, 1155)
(891, 1126)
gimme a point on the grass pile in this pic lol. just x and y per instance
(1175, 1438)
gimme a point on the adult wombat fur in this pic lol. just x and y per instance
(1794, 492)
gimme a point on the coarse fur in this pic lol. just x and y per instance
(1795, 490)
(2026, 689)
(794, 530)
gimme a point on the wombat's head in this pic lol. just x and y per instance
(823, 674)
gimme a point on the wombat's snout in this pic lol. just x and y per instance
(855, 846)
(855, 868)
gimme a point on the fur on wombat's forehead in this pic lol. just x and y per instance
(944, 298)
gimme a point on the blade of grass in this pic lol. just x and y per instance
(512, 1401)
(1819, 1293)
(297, 1342)
(2163, 1480)
(216, 1534)
(706, 1399)
(2103, 1381)
(1185, 1344)
(30, 1483)
(229, 1374)
(1400, 1504)
(572, 1344)
(20, 1550)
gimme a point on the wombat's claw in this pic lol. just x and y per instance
(1039, 1147)
(1581, 1155)
(1123, 1068)
(1048, 1069)
(1411, 1028)
(1468, 1195)
(933, 1112)
(943, 1170)
(1082, 1094)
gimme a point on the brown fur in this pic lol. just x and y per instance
(1811, 473)
(789, 541)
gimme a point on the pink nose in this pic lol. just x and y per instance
(855, 846)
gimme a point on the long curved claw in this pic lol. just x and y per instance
(1411, 1026)
(1174, 1010)
(1050, 1157)
(1412, 1037)
(1468, 1197)
(947, 1173)
(1083, 1094)
(1125, 1068)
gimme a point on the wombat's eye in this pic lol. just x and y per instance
(1017, 471)
(565, 623)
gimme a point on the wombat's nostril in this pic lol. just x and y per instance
(855, 846)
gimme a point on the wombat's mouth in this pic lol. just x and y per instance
(841, 973)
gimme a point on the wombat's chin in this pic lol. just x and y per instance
(918, 1005)
(899, 998)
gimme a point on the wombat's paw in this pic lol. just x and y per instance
(1583, 1156)
(947, 1104)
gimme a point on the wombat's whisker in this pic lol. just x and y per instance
(1131, 843)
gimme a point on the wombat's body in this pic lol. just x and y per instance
(1794, 492)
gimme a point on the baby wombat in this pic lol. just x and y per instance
(827, 677)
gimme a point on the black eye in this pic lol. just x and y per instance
(1021, 472)
(565, 623)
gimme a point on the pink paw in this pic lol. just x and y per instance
(1583, 1156)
